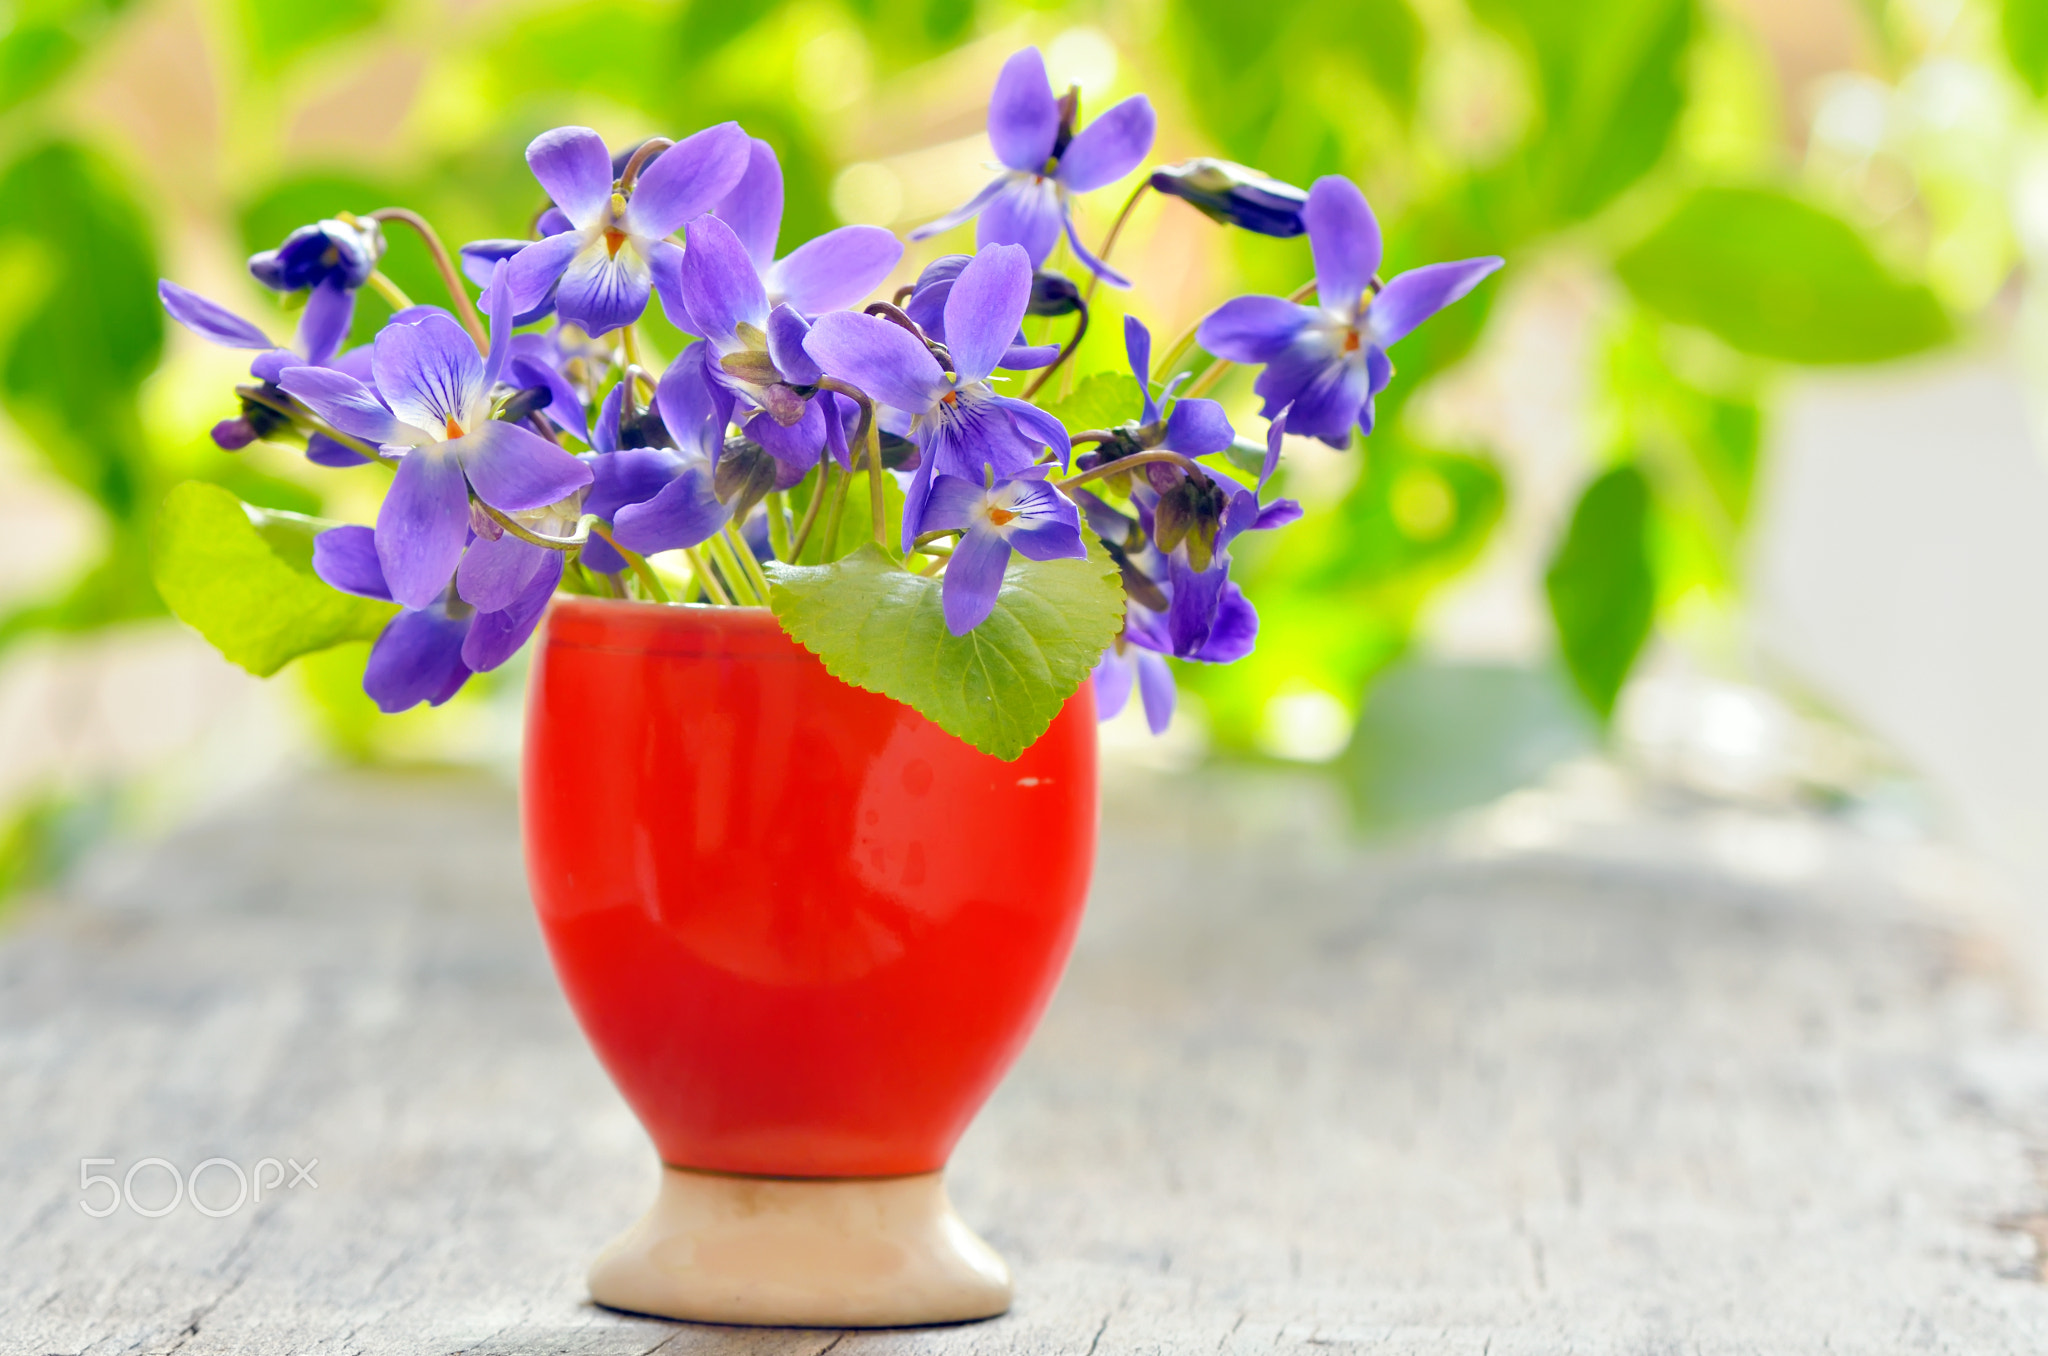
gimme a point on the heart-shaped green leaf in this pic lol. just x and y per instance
(879, 627)
(243, 577)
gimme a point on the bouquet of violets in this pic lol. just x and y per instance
(900, 480)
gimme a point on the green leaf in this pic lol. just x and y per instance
(1602, 590)
(243, 578)
(2026, 42)
(879, 627)
(1773, 276)
(1100, 400)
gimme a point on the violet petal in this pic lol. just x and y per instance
(574, 167)
(417, 658)
(1110, 147)
(209, 320)
(1344, 236)
(986, 305)
(346, 559)
(687, 180)
(513, 468)
(973, 578)
(1023, 117)
(836, 270)
(422, 525)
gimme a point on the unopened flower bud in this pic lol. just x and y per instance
(523, 403)
(1235, 195)
(232, 435)
(745, 474)
(1053, 294)
(343, 252)
(1190, 514)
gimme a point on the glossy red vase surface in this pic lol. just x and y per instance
(806, 930)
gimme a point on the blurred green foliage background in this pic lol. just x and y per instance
(1726, 189)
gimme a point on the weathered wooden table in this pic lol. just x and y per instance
(1593, 1094)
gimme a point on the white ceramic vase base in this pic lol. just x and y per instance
(877, 1252)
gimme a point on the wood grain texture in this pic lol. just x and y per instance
(1606, 1096)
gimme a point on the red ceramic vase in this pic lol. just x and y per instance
(807, 931)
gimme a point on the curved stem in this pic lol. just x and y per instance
(1126, 463)
(465, 309)
(1203, 384)
(757, 579)
(896, 315)
(394, 295)
(1092, 435)
(1074, 342)
(927, 538)
(871, 433)
(641, 569)
(903, 294)
(736, 580)
(585, 525)
(803, 531)
(645, 152)
(778, 525)
(832, 514)
(1116, 229)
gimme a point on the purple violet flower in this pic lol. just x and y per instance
(1325, 363)
(1025, 515)
(720, 292)
(1047, 164)
(960, 425)
(602, 268)
(433, 407)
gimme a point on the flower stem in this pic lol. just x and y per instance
(832, 515)
(1207, 381)
(1110, 468)
(756, 580)
(870, 433)
(585, 525)
(737, 580)
(700, 570)
(1074, 342)
(631, 339)
(641, 569)
(645, 152)
(1116, 229)
(394, 295)
(778, 525)
(465, 309)
(803, 531)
